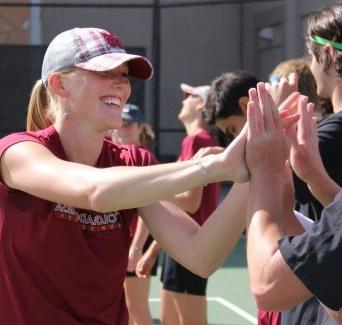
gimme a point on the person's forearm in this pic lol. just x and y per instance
(188, 201)
(131, 187)
(105, 189)
(222, 230)
(200, 249)
(140, 235)
(264, 226)
(291, 224)
(322, 187)
(268, 272)
(153, 249)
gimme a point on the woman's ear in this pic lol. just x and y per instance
(243, 101)
(56, 86)
(201, 105)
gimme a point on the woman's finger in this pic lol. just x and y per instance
(290, 103)
(266, 108)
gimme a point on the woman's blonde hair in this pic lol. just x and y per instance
(40, 112)
(147, 136)
(306, 80)
(37, 109)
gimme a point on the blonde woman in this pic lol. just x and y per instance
(68, 195)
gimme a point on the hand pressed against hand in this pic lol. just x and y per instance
(290, 104)
(267, 146)
(305, 157)
(234, 155)
(283, 89)
(237, 148)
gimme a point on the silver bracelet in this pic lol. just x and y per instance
(204, 172)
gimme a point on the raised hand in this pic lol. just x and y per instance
(236, 150)
(290, 104)
(267, 146)
(283, 89)
(235, 156)
(305, 158)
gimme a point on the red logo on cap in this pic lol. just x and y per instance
(112, 40)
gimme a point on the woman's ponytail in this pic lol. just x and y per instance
(37, 113)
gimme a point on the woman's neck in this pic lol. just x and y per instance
(194, 127)
(80, 145)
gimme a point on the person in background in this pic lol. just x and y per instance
(305, 81)
(183, 293)
(135, 132)
(227, 101)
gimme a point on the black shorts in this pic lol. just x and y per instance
(177, 278)
(147, 244)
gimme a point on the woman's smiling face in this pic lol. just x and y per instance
(98, 98)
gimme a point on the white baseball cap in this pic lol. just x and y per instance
(92, 49)
(201, 91)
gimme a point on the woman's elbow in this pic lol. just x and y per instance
(203, 272)
(98, 199)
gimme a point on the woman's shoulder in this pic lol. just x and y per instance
(17, 137)
(47, 137)
(39, 135)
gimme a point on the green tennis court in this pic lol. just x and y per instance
(229, 298)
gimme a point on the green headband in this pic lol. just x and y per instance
(322, 41)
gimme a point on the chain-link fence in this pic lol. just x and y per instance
(189, 41)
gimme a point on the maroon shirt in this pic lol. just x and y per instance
(269, 317)
(59, 264)
(190, 145)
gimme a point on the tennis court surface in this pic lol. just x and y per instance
(228, 293)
